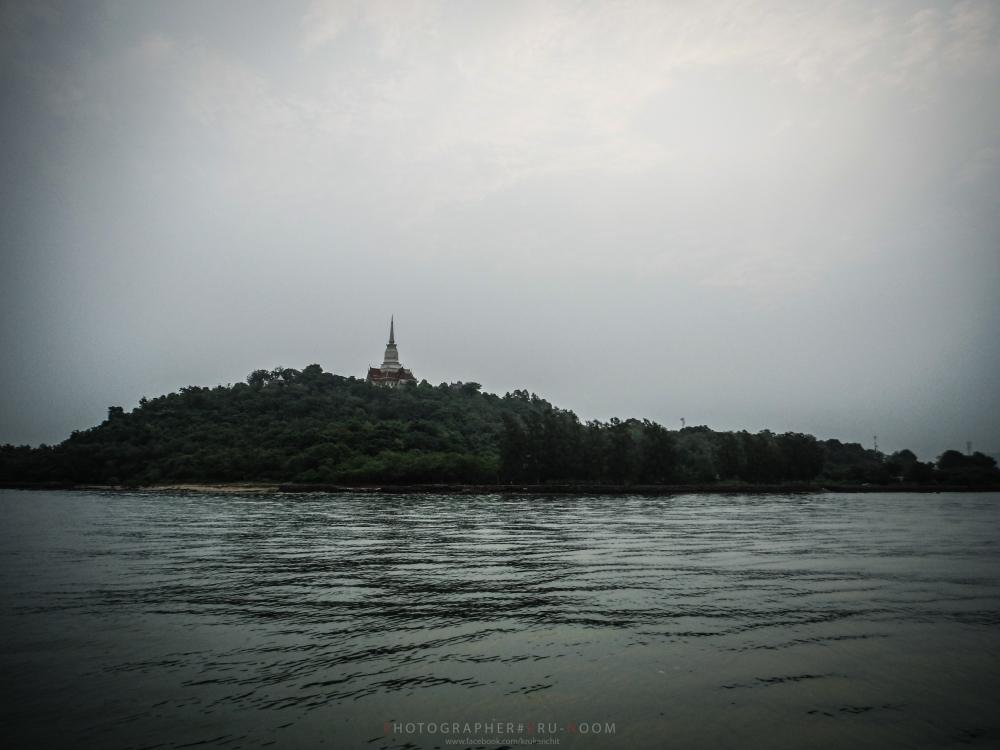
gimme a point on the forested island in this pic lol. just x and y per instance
(310, 427)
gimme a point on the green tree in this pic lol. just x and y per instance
(658, 455)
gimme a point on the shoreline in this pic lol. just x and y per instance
(260, 488)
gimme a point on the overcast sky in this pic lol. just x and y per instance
(751, 215)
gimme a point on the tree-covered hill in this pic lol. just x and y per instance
(311, 426)
(284, 425)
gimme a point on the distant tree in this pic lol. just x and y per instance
(919, 472)
(802, 456)
(258, 378)
(658, 455)
(851, 462)
(513, 450)
(620, 457)
(311, 373)
(593, 455)
(958, 468)
(764, 459)
(900, 464)
(951, 459)
(732, 461)
(696, 455)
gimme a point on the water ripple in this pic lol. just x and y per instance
(152, 620)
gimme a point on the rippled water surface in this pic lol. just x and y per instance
(152, 620)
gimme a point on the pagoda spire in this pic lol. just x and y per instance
(391, 373)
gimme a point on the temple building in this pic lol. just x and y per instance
(391, 373)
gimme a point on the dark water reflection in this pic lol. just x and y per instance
(147, 620)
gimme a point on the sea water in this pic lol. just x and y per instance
(151, 620)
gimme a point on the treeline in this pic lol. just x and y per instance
(553, 446)
(313, 427)
(547, 444)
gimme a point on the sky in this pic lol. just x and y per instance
(747, 215)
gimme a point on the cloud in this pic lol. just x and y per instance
(972, 32)
(323, 22)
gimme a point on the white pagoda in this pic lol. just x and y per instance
(391, 373)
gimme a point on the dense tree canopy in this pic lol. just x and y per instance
(311, 426)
